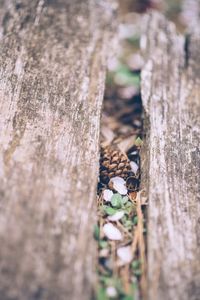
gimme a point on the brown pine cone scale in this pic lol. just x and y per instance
(113, 162)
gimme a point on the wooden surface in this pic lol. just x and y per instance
(52, 73)
(171, 98)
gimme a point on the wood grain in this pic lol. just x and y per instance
(52, 73)
(171, 164)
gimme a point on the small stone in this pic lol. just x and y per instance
(108, 263)
(134, 152)
(128, 92)
(137, 123)
(125, 255)
(135, 61)
(112, 232)
(119, 185)
(118, 180)
(107, 195)
(134, 167)
(111, 292)
(104, 252)
(121, 189)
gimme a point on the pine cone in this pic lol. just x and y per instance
(113, 163)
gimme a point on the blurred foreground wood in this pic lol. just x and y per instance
(171, 159)
(52, 67)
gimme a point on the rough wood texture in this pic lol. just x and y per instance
(171, 98)
(52, 71)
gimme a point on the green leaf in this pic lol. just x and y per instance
(103, 244)
(135, 220)
(116, 200)
(134, 40)
(96, 232)
(128, 297)
(128, 224)
(138, 142)
(128, 207)
(109, 78)
(124, 200)
(135, 264)
(138, 272)
(128, 204)
(101, 294)
(105, 279)
(124, 76)
(109, 210)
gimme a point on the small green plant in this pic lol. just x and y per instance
(96, 232)
(138, 142)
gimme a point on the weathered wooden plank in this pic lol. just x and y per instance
(171, 98)
(52, 71)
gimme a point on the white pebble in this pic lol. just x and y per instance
(118, 180)
(111, 292)
(121, 189)
(117, 216)
(125, 254)
(134, 167)
(137, 123)
(119, 185)
(104, 252)
(134, 153)
(112, 232)
(107, 195)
